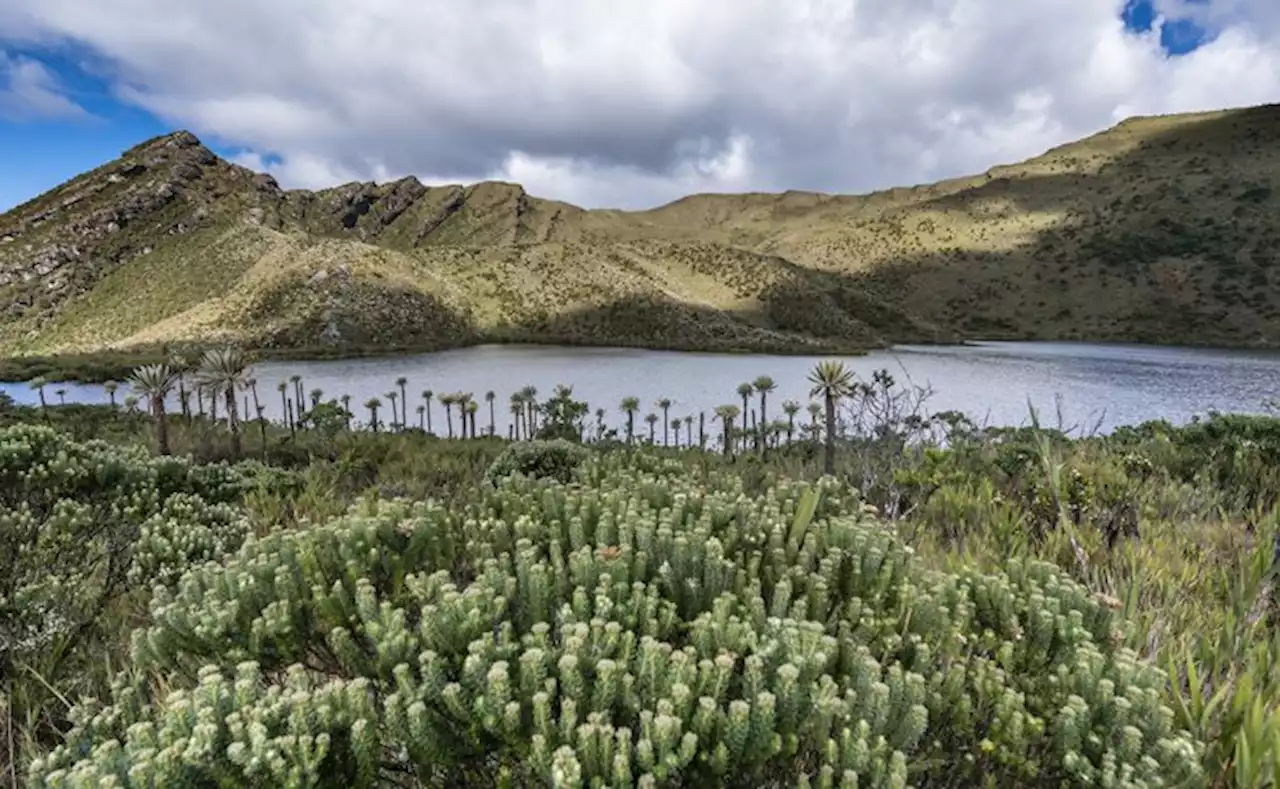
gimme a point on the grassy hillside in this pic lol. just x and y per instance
(1160, 229)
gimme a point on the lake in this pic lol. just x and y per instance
(993, 382)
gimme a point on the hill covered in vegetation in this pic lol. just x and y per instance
(1159, 229)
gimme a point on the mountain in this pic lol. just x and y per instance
(1160, 229)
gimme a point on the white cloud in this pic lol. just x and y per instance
(30, 91)
(633, 102)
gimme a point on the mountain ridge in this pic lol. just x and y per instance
(1160, 228)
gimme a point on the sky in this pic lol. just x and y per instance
(626, 103)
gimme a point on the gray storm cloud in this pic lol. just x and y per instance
(631, 103)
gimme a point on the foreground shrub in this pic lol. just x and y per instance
(555, 459)
(81, 521)
(638, 632)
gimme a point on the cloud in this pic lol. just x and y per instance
(30, 91)
(635, 102)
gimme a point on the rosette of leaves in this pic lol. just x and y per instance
(642, 630)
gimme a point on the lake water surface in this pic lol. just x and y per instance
(993, 382)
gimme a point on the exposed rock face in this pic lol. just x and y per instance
(64, 241)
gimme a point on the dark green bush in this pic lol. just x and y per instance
(536, 459)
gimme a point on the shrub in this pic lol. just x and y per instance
(536, 459)
(70, 514)
(642, 631)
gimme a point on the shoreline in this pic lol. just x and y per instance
(118, 364)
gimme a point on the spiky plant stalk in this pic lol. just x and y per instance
(392, 397)
(224, 370)
(790, 408)
(745, 390)
(517, 408)
(283, 388)
(472, 407)
(427, 394)
(630, 405)
(155, 382)
(38, 384)
(665, 405)
(447, 401)
(252, 383)
(764, 385)
(728, 415)
(831, 381)
(530, 396)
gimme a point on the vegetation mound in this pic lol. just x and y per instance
(638, 631)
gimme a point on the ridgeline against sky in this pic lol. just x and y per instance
(630, 105)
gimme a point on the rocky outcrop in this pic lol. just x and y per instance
(63, 242)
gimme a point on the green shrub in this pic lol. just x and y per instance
(536, 459)
(646, 630)
(70, 516)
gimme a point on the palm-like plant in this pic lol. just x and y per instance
(346, 407)
(630, 405)
(392, 396)
(402, 382)
(831, 381)
(62, 396)
(529, 395)
(764, 385)
(252, 383)
(745, 390)
(155, 382)
(652, 420)
(517, 408)
(470, 407)
(181, 366)
(728, 415)
(688, 430)
(422, 420)
(427, 394)
(213, 402)
(297, 391)
(110, 388)
(599, 424)
(447, 400)
(283, 388)
(790, 408)
(38, 383)
(223, 370)
(489, 397)
(665, 405)
(315, 395)
(373, 404)
(130, 404)
(460, 399)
